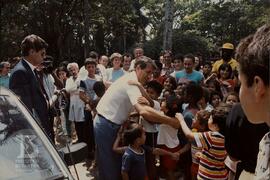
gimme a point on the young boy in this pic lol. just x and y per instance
(133, 160)
(152, 92)
(212, 144)
(200, 124)
(87, 94)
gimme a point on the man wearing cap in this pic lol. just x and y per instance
(226, 55)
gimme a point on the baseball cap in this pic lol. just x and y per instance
(228, 46)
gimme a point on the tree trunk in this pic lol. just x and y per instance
(168, 25)
(86, 13)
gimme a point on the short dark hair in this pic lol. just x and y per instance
(127, 55)
(93, 54)
(190, 56)
(172, 105)
(253, 54)
(208, 63)
(32, 42)
(225, 66)
(155, 85)
(172, 81)
(133, 131)
(179, 57)
(195, 91)
(219, 116)
(214, 93)
(90, 61)
(99, 88)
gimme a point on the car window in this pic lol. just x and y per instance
(23, 154)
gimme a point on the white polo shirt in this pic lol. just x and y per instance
(118, 101)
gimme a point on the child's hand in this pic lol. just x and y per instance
(179, 116)
(198, 155)
(120, 131)
(87, 107)
(132, 82)
(175, 156)
(143, 100)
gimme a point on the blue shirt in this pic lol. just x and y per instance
(4, 81)
(195, 76)
(87, 86)
(134, 164)
(113, 75)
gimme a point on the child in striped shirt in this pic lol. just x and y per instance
(199, 124)
(211, 164)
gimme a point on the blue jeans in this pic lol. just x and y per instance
(109, 162)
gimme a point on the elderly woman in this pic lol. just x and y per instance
(76, 108)
(114, 73)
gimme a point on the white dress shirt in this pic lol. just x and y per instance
(119, 99)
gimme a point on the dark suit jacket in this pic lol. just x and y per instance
(242, 138)
(24, 83)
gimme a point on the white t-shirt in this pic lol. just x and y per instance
(118, 101)
(102, 70)
(132, 65)
(151, 128)
(262, 171)
(167, 135)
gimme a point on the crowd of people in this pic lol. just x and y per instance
(178, 116)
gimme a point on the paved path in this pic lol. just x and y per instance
(82, 172)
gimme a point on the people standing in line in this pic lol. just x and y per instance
(113, 110)
(4, 74)
(24, 81)
(253, 54)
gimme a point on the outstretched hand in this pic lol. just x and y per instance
(135, 83)
(179, 116)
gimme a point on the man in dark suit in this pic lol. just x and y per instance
(25, 83)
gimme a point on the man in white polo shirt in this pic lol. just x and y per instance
(113, 110)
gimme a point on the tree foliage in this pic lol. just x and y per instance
(74, 27)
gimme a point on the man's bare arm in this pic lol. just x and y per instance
(152, 115)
